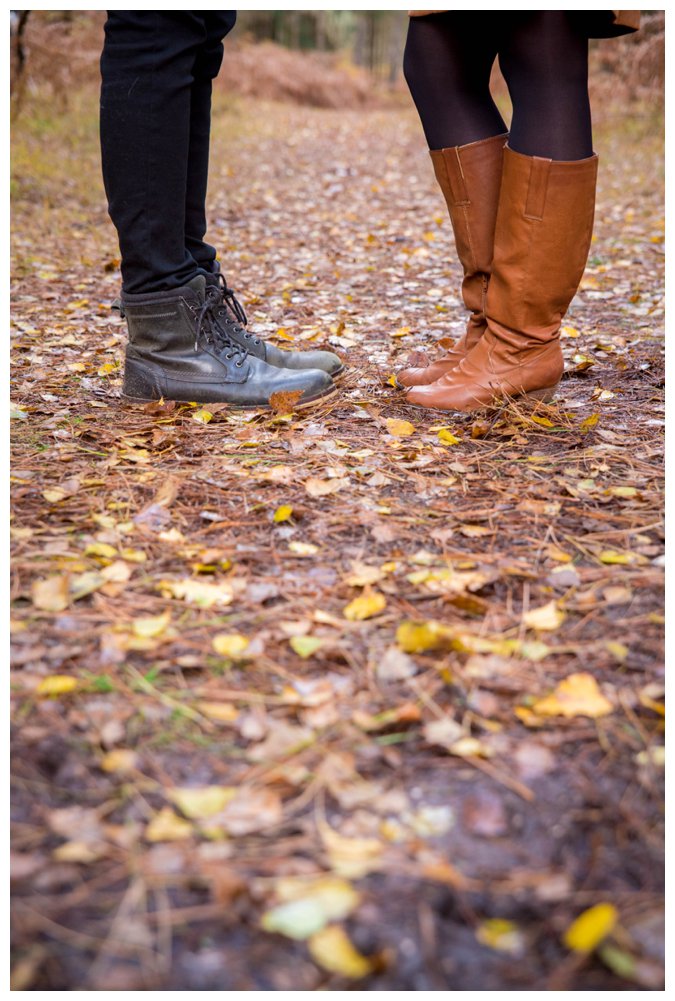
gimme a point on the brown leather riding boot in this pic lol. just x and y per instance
(542, 239)
(469, 177)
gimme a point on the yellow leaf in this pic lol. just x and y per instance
(51, 595)
(119, 760)
(79, 851)
(365, 606)
(419, 637)
(168, 826)
(625, 558)
(447, 437)
(591, 927)
(202, 417)
(400, 332)
(107, 369)
(199, 592)
(589, 422)
(201, 802)
(618, 650)
(555, 553)
(230, 644)
(305, 646)
(576, 695)
(500, 935)
(332, 950)
(283, 513)
(303, 548)
(351, 857)
(101, 549)
(151, 625)
(622, 491)
(392, 381)
(569, 332)
(545, 619)
(222, 712)
(55, 494)
(57, 684)
(309, 905)
(542, 421)
(134, 555)
(399, 429)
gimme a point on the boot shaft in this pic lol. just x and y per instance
(470, 177)
(542, 239)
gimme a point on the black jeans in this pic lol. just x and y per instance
(157, 69)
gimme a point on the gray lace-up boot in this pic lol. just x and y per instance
(179, 349)
(231, 310)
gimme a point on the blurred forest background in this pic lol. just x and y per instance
(342, 58)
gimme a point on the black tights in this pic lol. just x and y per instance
(543, 56)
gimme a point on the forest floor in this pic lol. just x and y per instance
(364, 696)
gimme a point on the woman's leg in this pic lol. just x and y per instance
(544, 58)
(447, 63)
(448, 60)
(544, 219)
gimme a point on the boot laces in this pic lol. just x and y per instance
(209, 329)
(229, 298)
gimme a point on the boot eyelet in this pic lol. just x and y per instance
(239, 364)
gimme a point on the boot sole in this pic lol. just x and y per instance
(303, 405)
(544, 395)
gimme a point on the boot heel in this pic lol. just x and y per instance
(139, 384)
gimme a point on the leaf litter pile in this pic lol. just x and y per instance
(361, 696)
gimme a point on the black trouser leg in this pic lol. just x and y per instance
(149, 148)
(206, 67)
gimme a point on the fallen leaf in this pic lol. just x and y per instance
(622, 558)
(309, 905)
(284, 402)
(168, 826)
(57, 684)
(221, 712)
(305, 646)
(591, 928)
(576, 695)
(231, 645)
(282, 513)
(51, 595)
(119, 760)
(399, 429)
(303, 548)
(395, 665)
(447, 437)
(351, 857)
(317, 487)
(332, 950)
(201, 802)
(149, 627)
(501, 935)
(197, 592)
(545, 619)
(367, 605)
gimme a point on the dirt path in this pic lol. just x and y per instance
(406, 800)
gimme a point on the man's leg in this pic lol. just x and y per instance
(207, 64)
(146, 96)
